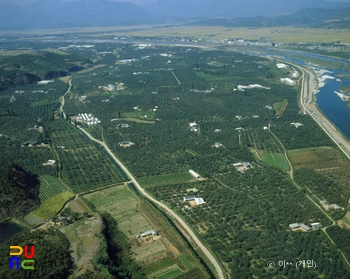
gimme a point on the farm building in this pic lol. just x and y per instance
(147, 233)
(294, 226)
(198, 200)
(315, 226)
(305, 228)
(217, 144)
(123, 125)
(111, 87)
(49, 163)
(335, 206)
(297, 124)
(194, 174)
(194, 190)
(188, 198)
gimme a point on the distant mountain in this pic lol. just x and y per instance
(234, 8)
(83, 13)
(307, 17)
(46, 14)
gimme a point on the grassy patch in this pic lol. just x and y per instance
(280, 107)
(49, 208)
(170, 274)
(276, 159)
(310, 155)
(185, 261)
(165, 179)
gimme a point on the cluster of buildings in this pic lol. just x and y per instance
(243, 87)
(30, 143)
(77, 46)
(126, 143)
(88, 119)
(305, 228)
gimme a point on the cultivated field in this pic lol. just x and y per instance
(54, 204)
(49, 187)
(276, 159)
(158, 255)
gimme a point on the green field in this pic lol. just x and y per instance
(276, 159)
(49, 208)
(280, 107)
(166, 179)
(185, 261)
(170, 274)
(162, 264)
(310, 155)
(49, 187)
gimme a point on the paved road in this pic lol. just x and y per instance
(169, 211)
(308, 103)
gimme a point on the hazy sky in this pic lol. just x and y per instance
(26, 2)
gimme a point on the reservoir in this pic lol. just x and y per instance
(7, 230)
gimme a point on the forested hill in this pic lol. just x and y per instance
(52, 256)
(31, 68)
(18, 190)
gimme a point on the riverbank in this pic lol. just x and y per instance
(308, 93)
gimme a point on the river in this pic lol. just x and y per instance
(330, 103)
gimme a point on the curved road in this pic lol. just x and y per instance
(168, 210)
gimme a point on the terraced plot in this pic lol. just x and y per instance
(122, 205)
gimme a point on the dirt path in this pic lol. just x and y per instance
(176, 78)
(171, 213)
(62, 100)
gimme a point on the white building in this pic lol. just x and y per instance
(194, 174)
